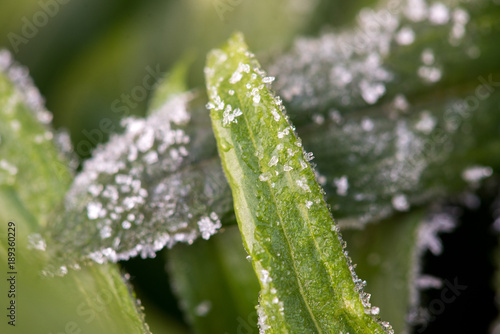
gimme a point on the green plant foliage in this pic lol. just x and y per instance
(389, 272)
(397, 99)
(215, 284)
(30, 164)
(307, 282)
(33, 180)
(156, 184)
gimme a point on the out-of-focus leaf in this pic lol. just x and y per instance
(174, 83)
(386, 255)
(407, 123)
(29, 162)
(161, 323)
(307, 282)
(399, 52)
(33, 180)
(384, 165)
(215, 284)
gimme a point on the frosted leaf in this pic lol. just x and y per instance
(348, 67)
(147, 188)
(262, 322)
(31, 163)
(351, 68)
(427, 240)
(386, 166)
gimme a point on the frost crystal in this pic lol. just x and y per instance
(439, 13)
(426, 123)
(342, 185)
(203, 308)
(347, 65)
(473, 175)
(400, 203)
(36, 241)
(229, 115)
(405, 36)
(428, 233)
(209, 225)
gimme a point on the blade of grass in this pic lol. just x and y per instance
(307, 281)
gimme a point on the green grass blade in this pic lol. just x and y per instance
(307, 282)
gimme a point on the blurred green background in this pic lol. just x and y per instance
(91, 52)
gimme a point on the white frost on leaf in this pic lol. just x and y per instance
(428, 233)
(136, 194)
(342, 184)
(473, 175)
(209, 225)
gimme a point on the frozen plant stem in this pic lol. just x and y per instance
(308, 284)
